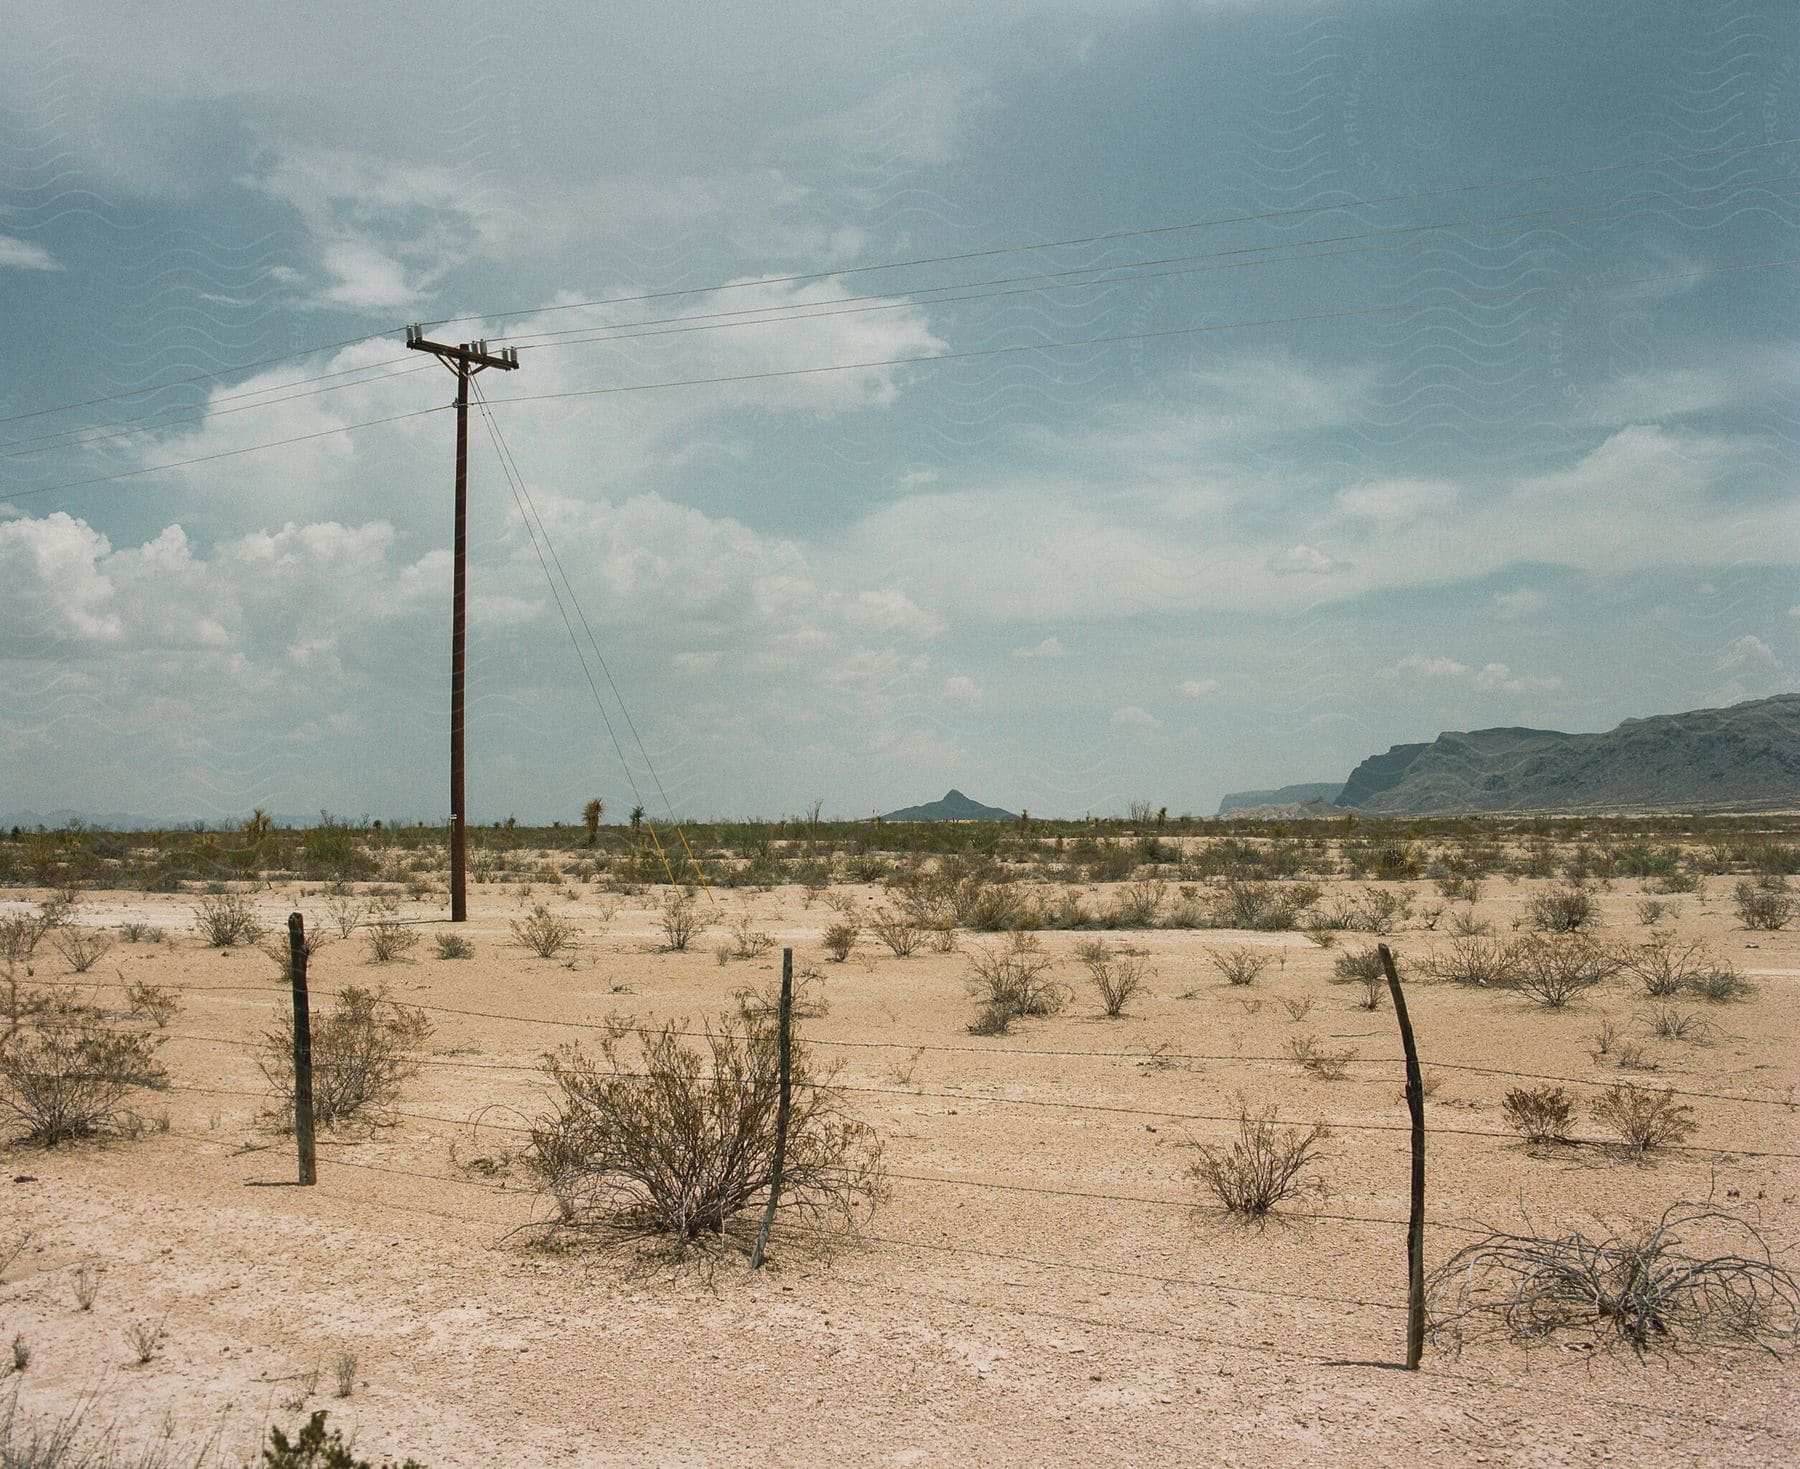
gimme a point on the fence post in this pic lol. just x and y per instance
(1415, 1223)
(303, 1079)
(786, 1036)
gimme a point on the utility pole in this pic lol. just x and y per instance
(465, 360)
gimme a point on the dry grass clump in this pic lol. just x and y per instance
(1540, 1114)
(1116, 978)
(387, 939)
(226, 920)
(899, 930)
(747, 940)
(1263, 1164)
(1476, 958)
(454, 946)
(656, 1137)
(1362, 967)
(840, 938)
(363, 1051)
(81, 948)
(154, 1003)
(1644, 1118)
(1264, 906)
(1322, 1062)
(1645, 1288)
(542, 932)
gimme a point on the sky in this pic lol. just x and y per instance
(1077, 403)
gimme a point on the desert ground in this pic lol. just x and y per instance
(1044, 1281)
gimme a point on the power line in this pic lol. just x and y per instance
(1249, 218)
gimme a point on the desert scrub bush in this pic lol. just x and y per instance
(759, 1003)
(133, 932)
(542, 932)
(226, 920)
(81, 948)
(1667, 1023)
(749, 941)
(454, 946)
(1310, 1055)
(1720, 983)
(1265, 906)
(1566, 909)
(363, 1051)
(1239, 966)
(1117, 979)
(1643, 1118)
(680, 921)
(67, 1077)
(1009, 983)
(1662, 966)
(154, 1003)
(1362, 967)
(1767, 903)
(1263, 1164)
(1137, 905)
(387, 939)
(313, 1448)
(1476, 959)
(840, 938)
(661, 1137)
(1556, 971)
(898, 930)
(1540, 1114)
(1645, 1289)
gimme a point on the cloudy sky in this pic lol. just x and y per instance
(1074, 402)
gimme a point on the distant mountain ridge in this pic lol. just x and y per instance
(1746, 754)
(954, 806)
(1294, 795)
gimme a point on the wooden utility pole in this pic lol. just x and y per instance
(303, 1078)
(465, 360)
(784, 1100)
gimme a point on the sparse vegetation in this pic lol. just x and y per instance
(1240, 966)
(1263, 1164)
(840, 938)
(67, 1075)
(1117, 979)
(1568, 909)
(363, 1051)
(681, 921)
(1555, 971)
(1646, 1289)
(387, 939)
(659, 1137)
(454, 946)
(543, 932)
(1767, 903)
(1644, 1119)
(226, 920)
(1540, 1114)
(1009, 983)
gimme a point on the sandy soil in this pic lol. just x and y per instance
(1042, 1286)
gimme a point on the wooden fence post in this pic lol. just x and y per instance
(1415, 1223)
(303, 1078)
(786, 1038)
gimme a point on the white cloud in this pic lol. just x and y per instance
(1303, 560)
(1049, 648)
(959, 688)
(1133, 716)
(1391, 501)
(1497, 677)
(17, 254)
(696, 660)
(1424, 667)
(1524, 602)
(1749, 654)
(1198, 688)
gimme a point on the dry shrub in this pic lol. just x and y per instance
(226, 920)
(1663, 966)
(1644, 1119)
(388, 938)
(749, 941)
(363, 1051)
(1362, 967)
(1566, 909)
(1262, 1166)
(1555, 971)
(1540, 1114)
(543, 932)
(1644, 1289)
(66, 1076)
(1008, 984)
(1327, 1065)
(152, 1002)
(81, 947)
(1240, 966)
(1137, 905)
(1265, 906)
(454, 946)
(840, 938)
(681, 921)
(898, 929)
(1767, 903)
(657, 1137)
(1116, 979)
(1477, 959)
